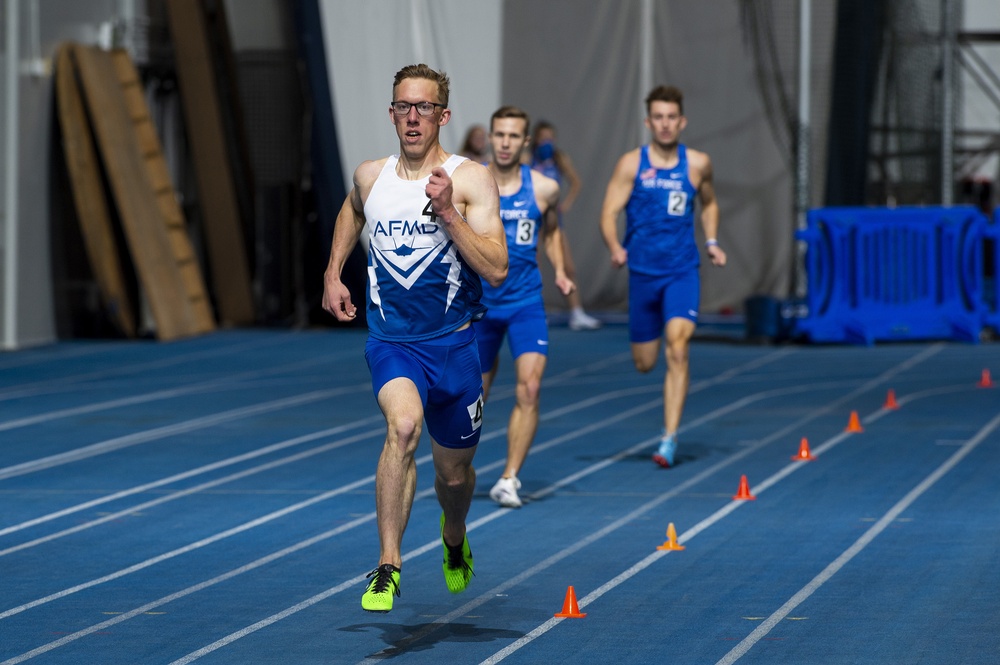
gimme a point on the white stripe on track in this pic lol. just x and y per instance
(238, 571)
(859, 545)
(733, 505)
(68, 382)
(173, 496)
(227, 382)
(357, 522)
(214, 466)
(156, 433)
(428, 546)
(275, 515)
(303, 439)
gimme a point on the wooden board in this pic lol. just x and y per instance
(154, 228)
(89, 198)
(217, 194)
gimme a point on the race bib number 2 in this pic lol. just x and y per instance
(677, 203)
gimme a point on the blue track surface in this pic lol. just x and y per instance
(212, 501)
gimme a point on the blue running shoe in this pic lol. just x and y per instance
(664, 456)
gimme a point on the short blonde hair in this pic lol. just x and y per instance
(422, 71)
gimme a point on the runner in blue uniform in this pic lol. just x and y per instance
(528, 208)
(434, 229)
(656, 185)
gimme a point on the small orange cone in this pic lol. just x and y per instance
(985, 381)
(890, 400)
(570, 609)
(854, 425)
(744, 491)
(805, 455)
(671, 542)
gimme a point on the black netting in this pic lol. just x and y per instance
(906, 116)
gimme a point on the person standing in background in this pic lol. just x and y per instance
(549, 160)
(474, 146)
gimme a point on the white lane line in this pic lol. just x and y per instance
(278, 514)
(173, 496)
(266, 467)
(357, 522)
(859, 545)
(273, 448)
(156, 433)
(70, 381)
(214, 466)
(229, 382)
(698, 528)
(248, 567)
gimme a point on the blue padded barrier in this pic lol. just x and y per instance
(991, 293)
(891, 274)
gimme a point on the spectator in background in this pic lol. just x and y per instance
(474, 146)
(549, 160)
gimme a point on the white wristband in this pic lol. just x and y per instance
(711, 242)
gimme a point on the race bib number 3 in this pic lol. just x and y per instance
(525, 232)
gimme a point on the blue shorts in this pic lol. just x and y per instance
(655, 299)
(445, 371)
(524, 325)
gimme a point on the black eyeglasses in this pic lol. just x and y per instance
(423, 108)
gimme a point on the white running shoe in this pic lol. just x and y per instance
(505, 492)
(582, 321)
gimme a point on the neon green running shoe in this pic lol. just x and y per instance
(384, 584)
(457, 564)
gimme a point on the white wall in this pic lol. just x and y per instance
(33, 30)
(368, 41)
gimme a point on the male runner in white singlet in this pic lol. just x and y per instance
(434, 229)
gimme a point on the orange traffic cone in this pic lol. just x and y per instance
(890, 400)
(854, 425)
(744, 491)
(570, 609)
(985, 381)
(805, 455)
(671, 542)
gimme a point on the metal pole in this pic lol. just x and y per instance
(947, 103)
(645, 62)
(10, 150)
(802, 152)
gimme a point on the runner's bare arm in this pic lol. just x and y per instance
(709, 208)
(468, 206)
(547, 197)
(615, 199)
(349, 226)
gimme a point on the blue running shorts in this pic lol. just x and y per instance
(655, 299)
(445, 371)
(525, 327)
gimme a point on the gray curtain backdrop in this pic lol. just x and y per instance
(580, 69)
(577, 63)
